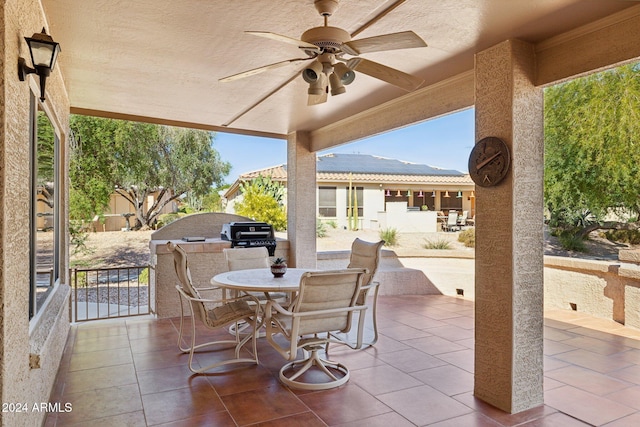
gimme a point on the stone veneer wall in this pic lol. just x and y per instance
(30, 352)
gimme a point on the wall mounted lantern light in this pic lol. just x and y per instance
(44, 52)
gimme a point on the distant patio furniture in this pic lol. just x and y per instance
(442, 220)
(462, 219)
(452, 222)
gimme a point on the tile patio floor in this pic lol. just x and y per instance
(130, 373)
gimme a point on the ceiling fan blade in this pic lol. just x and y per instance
(279, 37)
(403, 40)
(261, 69)
(384, 73)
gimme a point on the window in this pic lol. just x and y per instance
(45, 209)
(327, 202)
(358, 191)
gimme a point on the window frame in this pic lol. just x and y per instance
(38, 302)
(327, 207)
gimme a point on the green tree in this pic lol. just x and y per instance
(92, 166)
(259, 202)
(138, 159)
(592, 149)
(45, 153)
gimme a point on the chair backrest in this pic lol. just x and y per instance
(247, 258)
(366, 255)
(181, 265)
(453, 218)
(326, 290)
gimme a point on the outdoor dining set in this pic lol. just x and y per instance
(300, 313)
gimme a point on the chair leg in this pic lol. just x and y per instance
(359, 343)
(238, 344)
(314, 359)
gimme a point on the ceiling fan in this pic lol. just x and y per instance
(329, 69)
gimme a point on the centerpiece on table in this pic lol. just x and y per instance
(278, 267)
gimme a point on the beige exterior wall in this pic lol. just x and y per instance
(30, 351)
(113, 220)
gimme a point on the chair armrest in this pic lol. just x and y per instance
(371, 285)
(208, 288)
(329, 311)
(274, 305)
(215, 301)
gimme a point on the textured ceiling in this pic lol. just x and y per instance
(162, 59)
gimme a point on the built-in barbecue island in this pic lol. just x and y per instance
(204, 237)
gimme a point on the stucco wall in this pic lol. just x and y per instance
(38, 343)
(610, 290)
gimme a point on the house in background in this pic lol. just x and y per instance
(390, 193)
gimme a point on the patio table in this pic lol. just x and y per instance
(260, 280)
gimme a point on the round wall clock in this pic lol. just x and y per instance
(489, 161)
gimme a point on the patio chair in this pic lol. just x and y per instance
(249, 258)
(325, 302)
(364, 255)
(214, 314)
(462, 219)
(452, 221)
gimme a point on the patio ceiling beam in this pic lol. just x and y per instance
(448, 96)
(602, 44)
(177, 123)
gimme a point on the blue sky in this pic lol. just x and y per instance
(444, 142)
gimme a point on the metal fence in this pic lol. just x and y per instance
(103, 293)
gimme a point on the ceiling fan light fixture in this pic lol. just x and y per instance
(336, 85)
(312, 73)
(318, 87)
(344, 73)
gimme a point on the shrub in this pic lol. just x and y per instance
(321, 229)
(168, 218)
(79, 236)
(390, 236)
(571, 242)
(143, 277)
(332, 223)
(262, 207)
(624, 236)
(468, 237)
(436, 244)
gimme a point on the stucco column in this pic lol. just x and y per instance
(301, 201)
(509, 233)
